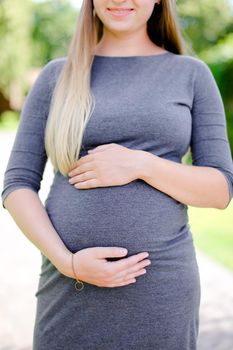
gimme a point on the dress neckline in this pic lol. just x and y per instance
(133, 57)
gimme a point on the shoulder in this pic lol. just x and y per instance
(188, 60)
(47, 78)
(55, 64)
(52, 69)
(195, 70)
(192, 64)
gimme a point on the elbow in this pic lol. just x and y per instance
(225, 196)
(8, 190)
(222, 207)
(13, 197)
(223, 204)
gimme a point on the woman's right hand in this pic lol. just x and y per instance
(91, 266)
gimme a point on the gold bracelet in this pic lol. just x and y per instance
(78, 282)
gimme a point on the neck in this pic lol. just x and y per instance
(136, 43)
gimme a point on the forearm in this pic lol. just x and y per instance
(29, 214)
(192, 185)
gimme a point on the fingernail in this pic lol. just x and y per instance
(124, 250)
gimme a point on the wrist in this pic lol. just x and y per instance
(66, 266)
(143, 164)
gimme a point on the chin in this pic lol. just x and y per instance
(119, 28)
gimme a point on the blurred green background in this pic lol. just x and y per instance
(34, 32)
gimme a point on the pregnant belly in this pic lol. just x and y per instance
(135, 216)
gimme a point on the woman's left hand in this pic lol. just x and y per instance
(106, 165)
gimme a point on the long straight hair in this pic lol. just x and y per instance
(72, 101)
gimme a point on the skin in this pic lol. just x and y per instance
(113, 164)
(126, 35)
(90, 264)
(24, 205)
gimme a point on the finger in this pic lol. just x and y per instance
(130, 276)
(105, 252)
(88, 175)
(100, 148)
(80, 161)
(95, 150)
(135, 268)
(123, 283)
(136, 274)
(73, 166)
(92, 183)
(128, 262)
(81, 169)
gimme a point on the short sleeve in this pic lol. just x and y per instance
(28, 158)
(209, 140)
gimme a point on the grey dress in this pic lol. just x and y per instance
(161, 104)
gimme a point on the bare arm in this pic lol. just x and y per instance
(29, 214)
(25, 170)
(192, 185)
(208, 182)
(22, 180)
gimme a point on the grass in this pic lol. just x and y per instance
(213, 232)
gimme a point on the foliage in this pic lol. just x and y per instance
(53, 25)
(34, 32)
(213, 44)
(220, 60)
(205, 21)
(224, 78)
(15, 41)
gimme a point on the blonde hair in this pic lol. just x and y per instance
(72, 102)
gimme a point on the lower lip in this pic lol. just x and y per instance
(120, 15)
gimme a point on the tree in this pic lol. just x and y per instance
(15, 41)
(209, 26)
(205, 21)
(54, 22)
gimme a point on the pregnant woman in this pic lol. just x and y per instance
(115, 117)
